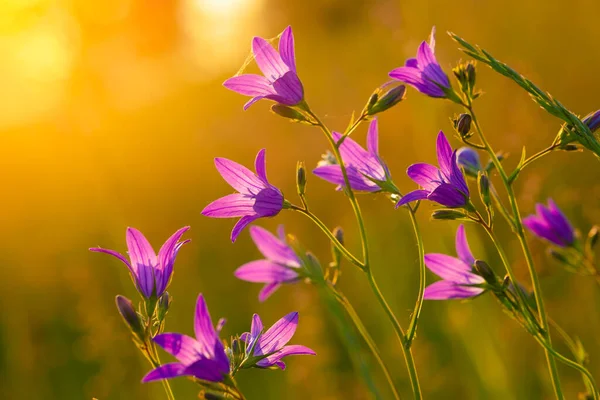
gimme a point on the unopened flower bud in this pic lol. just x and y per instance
(468, 158)
(462, 124)
(470, 74)
(338, 232)
(290, 113)
(388, 100)
(446, 214)
(163, 305)
(593, 237)
(130, 316)
(483, 183)
(313, 266)
(301, 178)
(559, 256)
(214, 396)
(484, 270)
(570, 147)
(592, 120)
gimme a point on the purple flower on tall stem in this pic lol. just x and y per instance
(151, 273)
(424, 72)
(273, 342)
(279, 266)
(456, 273)
(551, 224)
(362, 166)
(280, 82)
(446, 185)
(257, 198)
(202, 357)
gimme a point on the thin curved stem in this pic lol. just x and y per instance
(365, 252)
(543, 341)
(366, 337)
(519, 231)
(414, 321)
(330, 235)
(151, 354)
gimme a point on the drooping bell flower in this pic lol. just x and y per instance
(151, 273)
(279, 81)
(203, 357)
(551, 224)
(468, 158)
(424, 72)
(364, 167)
(273, 342)
(457, 273)
(279, 266)
(257, 198)
(445, 185)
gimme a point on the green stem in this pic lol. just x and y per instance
(330, 235)
(151, 354)
(543, 341)
(366, 337)
(519, 231)
(365, 252)
(414, 321)
(408, 358)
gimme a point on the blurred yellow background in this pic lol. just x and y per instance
(111, 112)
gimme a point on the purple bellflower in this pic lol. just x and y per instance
(273, 342)
(551, 224)
(424, 72)
(279, 266)
(456, 273)
(203, 357)
(280, 82)
(446, 185)
(257, 198)
(151, 273)
(363, 167)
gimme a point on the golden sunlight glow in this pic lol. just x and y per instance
(226, 23)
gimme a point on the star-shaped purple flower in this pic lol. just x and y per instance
(278, 267)
(151, 273)
(456, 273)
(273, 342)
(362, 166)
(424, 72)
(551, 224)
(446, 185)
(257, 198)
(280, 82)
(203, 357)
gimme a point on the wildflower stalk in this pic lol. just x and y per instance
(366, 267)
(362, 330)
(151, 353)
(519, 231)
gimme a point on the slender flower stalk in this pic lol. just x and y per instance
(366, 260)
(519, 231)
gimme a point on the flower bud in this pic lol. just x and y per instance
(592, 120)
(163, 305)
(468, 158)
(462, 125)
(214, 396)
(470, 74)
(314, 267)
(559, 256)
(290, 113)
(483, 183)
(446, 214)
(465, 75)
(300, 178)
(387, 101)
(338, 232)
(483, 269)
(593, 237)
(570, 147)
(130, 316)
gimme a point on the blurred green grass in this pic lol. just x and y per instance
(113, 121)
